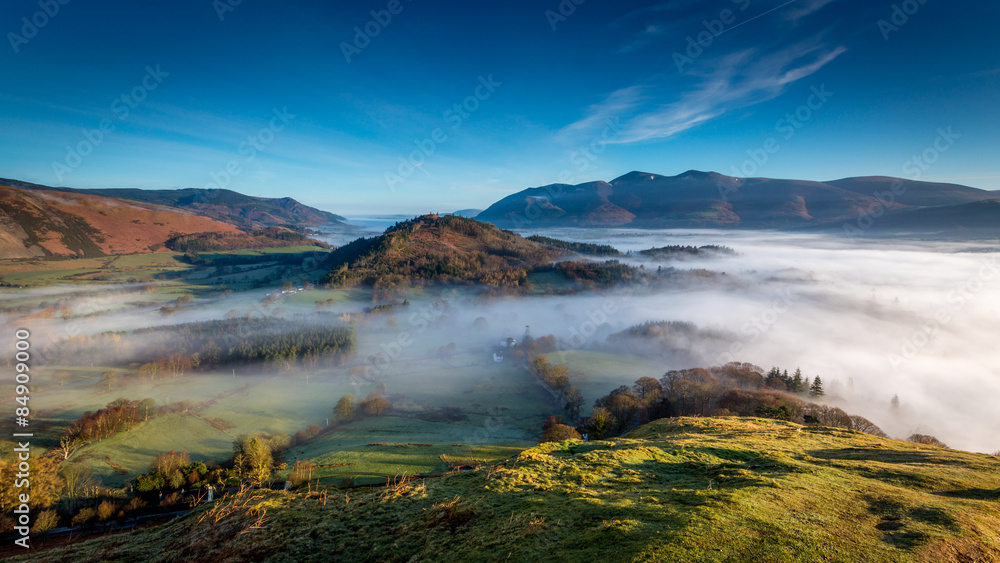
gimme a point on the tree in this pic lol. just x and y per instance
(146, 406)
(797, 386)
(648, 388)
(816, 389)
(252, 459)
(574, 400)
(79, 483)
(68, 446)
(109, 379)
(150, 370)
(600, 423)
(345, 409)
(374, 405)
(895, 402)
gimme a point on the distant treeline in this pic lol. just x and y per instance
(678, 250)
(272, 237)
(596, 274)
(175, 349)
(656, 330)
(249, 340)
(581, 247)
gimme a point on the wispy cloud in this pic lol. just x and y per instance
(806, 8)
(735, 81)
(646, 37)
(618, 104)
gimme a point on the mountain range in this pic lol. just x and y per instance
(697, 199)
(41, 221)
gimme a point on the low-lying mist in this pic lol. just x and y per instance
(875, 319)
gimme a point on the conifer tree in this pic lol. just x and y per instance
(816, 389)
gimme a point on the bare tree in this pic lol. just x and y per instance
(68, 446)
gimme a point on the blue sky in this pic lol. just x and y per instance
(285, 98)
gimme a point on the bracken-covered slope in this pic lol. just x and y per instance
(244, 211)
(690, 489)
(708, 199)
(438, 249)
(38, 223)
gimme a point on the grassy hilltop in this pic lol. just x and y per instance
(688, 489)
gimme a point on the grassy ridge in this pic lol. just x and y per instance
(675, 490)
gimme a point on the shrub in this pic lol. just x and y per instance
(927, 440)
(301, 474)
(84, 516)
(45, 521)
(105, 510)
(560, 432)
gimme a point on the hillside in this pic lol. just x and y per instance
(244, 211)
(438, 249)
(37, 223)
(689, 489)
(707, 199)
(978, 218)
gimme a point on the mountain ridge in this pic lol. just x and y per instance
(244, 211)
(699, 199)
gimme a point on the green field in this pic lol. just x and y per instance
(406, 446)
(151, 267)
(125, 455)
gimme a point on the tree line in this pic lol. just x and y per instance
(733, 389)
(174, 350)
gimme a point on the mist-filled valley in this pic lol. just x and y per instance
(875, 319)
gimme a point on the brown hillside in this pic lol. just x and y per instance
(52, 223)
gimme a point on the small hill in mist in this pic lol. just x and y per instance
(686, 489)
(431, 248)
(40, 223)
(244, 211)
(706, 199)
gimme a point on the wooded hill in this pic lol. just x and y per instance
(431, 248)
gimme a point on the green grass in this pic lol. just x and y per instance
(407, 446)
(124, 455)
(706, 490)
(143, 267)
